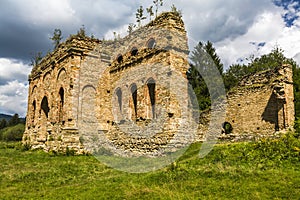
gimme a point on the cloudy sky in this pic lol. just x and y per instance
(238, 29)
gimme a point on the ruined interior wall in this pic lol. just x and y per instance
(262, 103)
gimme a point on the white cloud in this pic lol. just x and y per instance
(269, 27)
(13, 70)
(233, 26)
(43, 13)
(13, 86)
(13, 98)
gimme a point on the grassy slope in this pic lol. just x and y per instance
(239, 171)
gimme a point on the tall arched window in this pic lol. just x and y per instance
(62, 96)
(151, 90)
(61, 103)
(133, 90)
(119, 98)
(33, 109)
(45, 107)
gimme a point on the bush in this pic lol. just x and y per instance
(14, 133)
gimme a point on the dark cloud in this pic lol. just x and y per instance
(27, 25)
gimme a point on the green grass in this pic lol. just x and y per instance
(269, 169)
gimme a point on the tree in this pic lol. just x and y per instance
(3, 123)
(204, 70)
(14, 120)
(268, 61)
(140, 15)
(131, 26)
(176, 11)
(36, 58)
(208, 47)
(56, 38)
(157, 4)
(81, 32)
(150, 12)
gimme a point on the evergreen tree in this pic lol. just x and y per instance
(208, 47)
(14, 120)
(205, 71)
(3, 123)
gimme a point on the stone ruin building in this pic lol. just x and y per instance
(263, 103)
(122, 94)
(90, 90)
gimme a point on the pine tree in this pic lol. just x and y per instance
(212, 52)
(14, 120)
(3, 123)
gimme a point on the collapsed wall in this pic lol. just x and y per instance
(261, 105)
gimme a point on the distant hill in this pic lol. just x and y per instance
(8, 117)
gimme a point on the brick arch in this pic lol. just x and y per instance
(34, 89)
(62, 75)
(47, 80)
(88, 104)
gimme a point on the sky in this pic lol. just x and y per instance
(237, 28)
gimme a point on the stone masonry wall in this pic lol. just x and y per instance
(262, 104)
(73, 94)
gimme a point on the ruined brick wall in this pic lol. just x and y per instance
(74, 93)
(262, 104)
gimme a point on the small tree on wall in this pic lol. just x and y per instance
(157, 3)
(140, 15)
(56, 38)
(36, 58)
(150, 12)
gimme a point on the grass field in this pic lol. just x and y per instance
(269, 169)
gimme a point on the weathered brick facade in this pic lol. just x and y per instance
(262, 104)
(88, 90)
(130, 95)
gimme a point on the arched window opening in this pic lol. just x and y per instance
(62, 96)
(120, 58)
(151, 90)
(227, 128)
(134, 97)
(151, 43)
(134, 51)
(119, 97)
(33, 109)
(45, 107)
(61, 103)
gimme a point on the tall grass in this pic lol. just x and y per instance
(268, 169)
